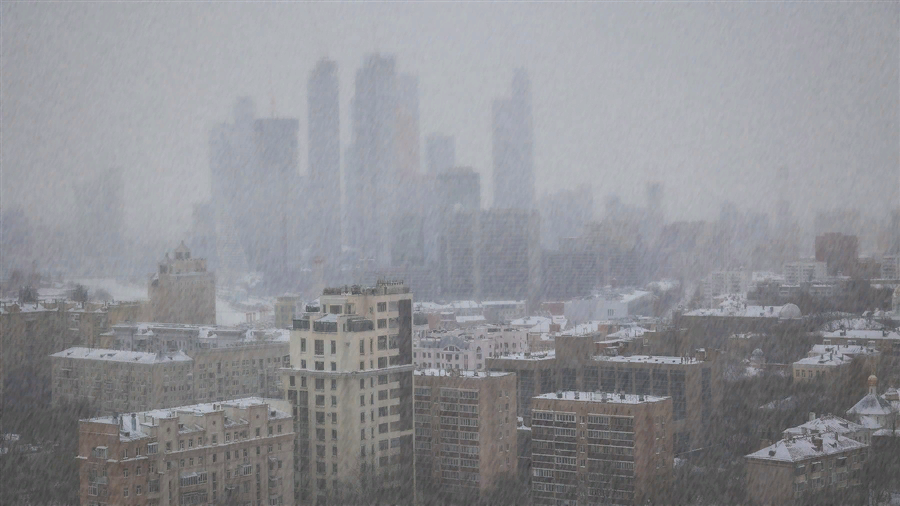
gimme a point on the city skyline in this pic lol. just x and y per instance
(793, 99)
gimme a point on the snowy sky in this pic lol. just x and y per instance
(708, 98)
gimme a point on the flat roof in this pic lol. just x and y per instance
(445, 373)
(139, 357)
(608, 397)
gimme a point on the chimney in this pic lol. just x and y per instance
(133, 422)
(577, 396)
(812, 416)
(817, 442)
(622, 396)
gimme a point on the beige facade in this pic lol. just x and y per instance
(238, 451)
(598, 448)
(465, 437)
(182, 291)
(351, 385)
(118, 381)
(286, 309)
(114, 381)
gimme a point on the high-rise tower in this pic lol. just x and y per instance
(324, 136)
(372, 164)
(513, 147)
(351, 387)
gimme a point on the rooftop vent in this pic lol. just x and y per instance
(559, 395)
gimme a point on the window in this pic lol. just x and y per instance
(320, 384)
(257, 431)
(303, 345)
(319, 347)
(153, 448)
(382, 307)
(382, 323)
(362, 346)
(382, 343)
(334, 347)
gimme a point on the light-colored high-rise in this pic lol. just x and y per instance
(351, 387)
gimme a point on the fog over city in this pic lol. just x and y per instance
(449, 253)
(708, 99)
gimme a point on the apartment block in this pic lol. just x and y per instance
(118, 381)
(826, 463)
(350, 383)
(182, 290)
(599, 448)
(236, 452)
(465, 432)
(691, 382)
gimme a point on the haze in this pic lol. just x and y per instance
(708, 99)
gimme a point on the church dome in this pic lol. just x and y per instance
(790, 311)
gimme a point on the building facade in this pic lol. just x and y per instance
(356, 345)
(826, 463)
(237, 452)
(513, 147)
(465, 434)
(598, 448)
(182, 290)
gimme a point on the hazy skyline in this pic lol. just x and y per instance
(709, 99)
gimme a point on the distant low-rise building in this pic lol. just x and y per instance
(804, 271)
(232, 452)
(825, 463)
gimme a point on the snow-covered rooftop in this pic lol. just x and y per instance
(827, 423)
(831, 359)
(611, 398)
(871, 405)
(869, 335)
(543, 355)
(852, 350)
(460, 373)
(147, 419)
(798, 449)
(649, 359)
(138, 357)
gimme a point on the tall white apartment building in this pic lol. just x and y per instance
(351, 387)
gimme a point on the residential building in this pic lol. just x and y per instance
(823, 463)
(232, 452)
(513, 147)
(114, 381)
(884, 341)
(601, 448)
(467, 349)
(689, 381)
(182, 290)
(356, 345)
(819, 366)
(804, 271)
(890, 267)
(465, 433)
(719, 283)
(440, 153)
(610, 304)
(287, 307)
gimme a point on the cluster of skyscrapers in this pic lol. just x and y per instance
(266, 217)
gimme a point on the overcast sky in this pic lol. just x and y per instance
(708, 98)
